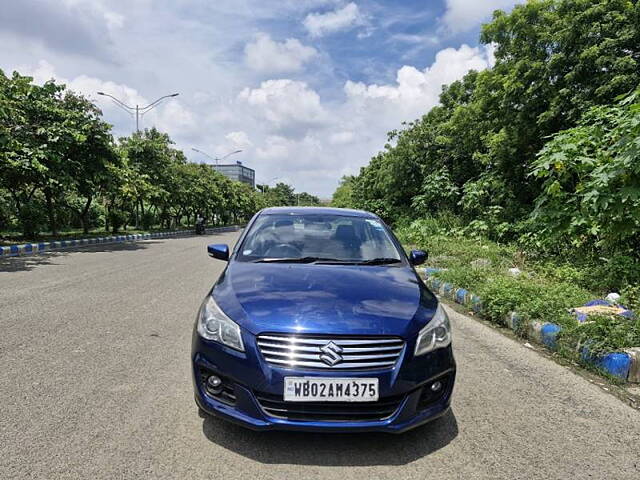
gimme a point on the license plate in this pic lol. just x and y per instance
(318, 389)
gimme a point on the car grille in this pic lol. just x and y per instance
(275, 406)
(345, 353)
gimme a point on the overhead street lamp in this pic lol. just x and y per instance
(266, 184)
(138, 110)
(216, 159)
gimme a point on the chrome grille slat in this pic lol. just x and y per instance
(289, 347)
(378, 349)
(316, 349)
(322, 341)
(354, 353)
(352, 366)
(346, 357)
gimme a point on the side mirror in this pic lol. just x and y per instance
(418, 257)
(219, 251)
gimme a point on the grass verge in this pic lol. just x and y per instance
(539, 290)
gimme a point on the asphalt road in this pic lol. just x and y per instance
(94, 383)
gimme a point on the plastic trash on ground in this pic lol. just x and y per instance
(600, 307)
(613, 298)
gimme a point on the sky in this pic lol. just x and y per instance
(307, 89)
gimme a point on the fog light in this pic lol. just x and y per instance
(436, 386)
(213, 383)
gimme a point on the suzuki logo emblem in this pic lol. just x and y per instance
(331, 354)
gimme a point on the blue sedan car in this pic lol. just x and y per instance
(320, 323)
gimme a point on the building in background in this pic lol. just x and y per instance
(238, 172)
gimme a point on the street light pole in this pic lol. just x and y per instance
(267, 184)
(215, 159)
(139, 111)
(205, 154)
(228, 155)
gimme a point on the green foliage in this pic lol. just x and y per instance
(464, 276)
(601, 334)
(305, 199)
(31, 217)
(631, 297)
(545, 290)
(591, 180)
(438, 192)
(534, 298)
(285, 195)
(60, 166)
(148, 220)
(343, 196)
(117, 218)
(472, 155)
(445, 237)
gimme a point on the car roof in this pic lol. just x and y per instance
(346, 212)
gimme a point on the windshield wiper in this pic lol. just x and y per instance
(373, 261)
(328, 261)
(379, 261)
(293, 260)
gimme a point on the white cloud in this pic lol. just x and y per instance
(418, 90)
(463, 15)
(84, 84)
(274, 147)
(415, 38)
(171, 116)
(267, 56)
(341, 138)
(289, 105)
(239, 139)
(320, 24)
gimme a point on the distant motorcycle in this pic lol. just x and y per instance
(200, 230)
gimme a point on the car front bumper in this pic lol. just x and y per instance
(248, 380)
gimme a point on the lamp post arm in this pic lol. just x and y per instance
(116, 100)
(153, 104)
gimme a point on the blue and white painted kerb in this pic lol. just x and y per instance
(624, 365)
(35, 248)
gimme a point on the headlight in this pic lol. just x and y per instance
(214, 325)
(436, 334)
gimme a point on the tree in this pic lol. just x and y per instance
(307, 200)
(280, 195)
(149, 153)
(29, 140)
(343, 196)
(90, 157)
(591, 175)
(472, 154)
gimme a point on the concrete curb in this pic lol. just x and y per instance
(36, 248)
(623, 365)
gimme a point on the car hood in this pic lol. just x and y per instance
(326, 299)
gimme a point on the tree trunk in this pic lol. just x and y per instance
(51, 213)
(142, 210)
(84, 216)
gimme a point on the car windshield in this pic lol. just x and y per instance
(313, 238)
